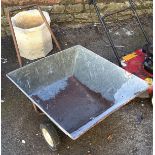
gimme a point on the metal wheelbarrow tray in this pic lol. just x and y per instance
(77, 88)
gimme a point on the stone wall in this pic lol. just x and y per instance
(74, 11)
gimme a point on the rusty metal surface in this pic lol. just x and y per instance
(49, 28)
(77, 104)
(14, 40)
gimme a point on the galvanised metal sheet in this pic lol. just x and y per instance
(77, 88)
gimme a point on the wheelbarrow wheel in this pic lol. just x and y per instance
(50, 135)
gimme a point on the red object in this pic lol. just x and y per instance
(133, 63)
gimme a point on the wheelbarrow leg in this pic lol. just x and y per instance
(37, 110)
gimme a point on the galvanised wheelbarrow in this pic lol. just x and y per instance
(76, 89)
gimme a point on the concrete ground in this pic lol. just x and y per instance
(127, 131)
